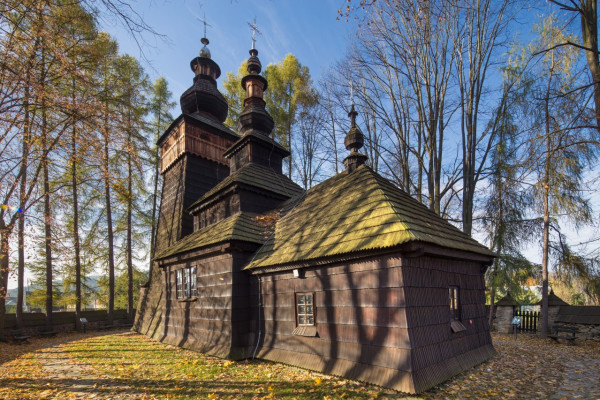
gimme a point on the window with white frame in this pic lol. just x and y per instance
(304, 309)
(186, 283)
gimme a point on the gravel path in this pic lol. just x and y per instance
(44, 369)
(581, 380)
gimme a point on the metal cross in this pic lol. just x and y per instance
(255, 30)
(205, 23)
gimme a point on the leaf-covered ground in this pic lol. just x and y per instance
(125, 365)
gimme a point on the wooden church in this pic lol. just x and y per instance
(352, 278)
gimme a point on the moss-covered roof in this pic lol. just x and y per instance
(507, 300)
(256, 136)
(553, 300)
(355, 212)
(257, 176)
(240, 226)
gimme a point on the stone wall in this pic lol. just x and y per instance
(585, 318)
(504, 316)
(33, 323)
(587, 332)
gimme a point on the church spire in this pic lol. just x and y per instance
(204, 51)
(254, 117)
(204, 97)
(354, 140)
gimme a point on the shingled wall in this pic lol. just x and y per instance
(383, 320)
(217, 321)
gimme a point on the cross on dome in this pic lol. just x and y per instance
(255, 30)
(205, 24)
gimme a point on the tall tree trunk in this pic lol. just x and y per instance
(130, 308)
(47, 219)
(589, 33)
(546, 205)
(111, 257)
(5, 232)
(76, 241)
(22, 197)
(46, 191)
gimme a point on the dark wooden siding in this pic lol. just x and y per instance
(258, 152)
(437, 352)
(385, 321)
(184, 183)
(360, 320)
(217, 321)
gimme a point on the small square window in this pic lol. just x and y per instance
(305, 309)
(453, 294)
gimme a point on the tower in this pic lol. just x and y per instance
(192, 150)
(192, 163)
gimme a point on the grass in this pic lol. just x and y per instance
(125, 365)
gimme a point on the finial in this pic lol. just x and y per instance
(204, 52)
(205, 24)
(255, 30)
(354, 141)
(351, 94)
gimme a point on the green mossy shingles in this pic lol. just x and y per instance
(241, 226)
(257, 176)
(354, 212)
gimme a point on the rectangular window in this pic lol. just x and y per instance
(454, 303)
(186, 283)
(192, 282)
(179, 283)
(304, 309)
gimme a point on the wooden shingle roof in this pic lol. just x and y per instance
(553, 300)
(355, 212)
(257, 176)
(588, 315)
(507, 300)
(240, 226)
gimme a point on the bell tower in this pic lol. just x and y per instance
(192, 148)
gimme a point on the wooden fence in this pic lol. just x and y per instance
(529, 320)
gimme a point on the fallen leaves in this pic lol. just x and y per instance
(128, 365)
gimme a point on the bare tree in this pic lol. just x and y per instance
(588, 16)
(480, 27)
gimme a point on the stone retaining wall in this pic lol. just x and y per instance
(33, 323)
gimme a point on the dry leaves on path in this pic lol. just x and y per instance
(126, 365)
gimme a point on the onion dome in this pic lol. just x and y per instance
(354, 141)
(254, 117)
(204, 97)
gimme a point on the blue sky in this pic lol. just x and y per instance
(308, 29)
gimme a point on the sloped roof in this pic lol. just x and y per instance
(553, 300)
(589, 315)
(257, 176)
(260, 137)
(198, 117)
(507, 300)
(355, 212)
(240, 226)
